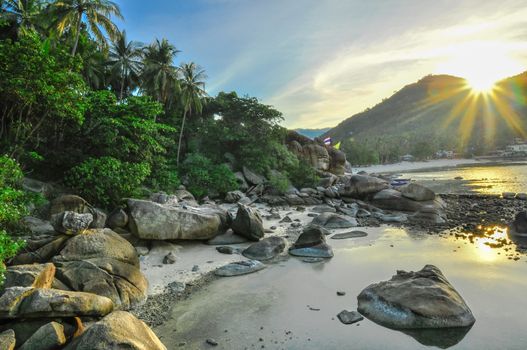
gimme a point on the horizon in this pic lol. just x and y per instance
(316, 65)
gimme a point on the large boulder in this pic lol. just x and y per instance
(7, 340)
(394, 200)
(417, 192)
(69, 202)
(119, 330)
(38, 226)
(337, 161)
(519, 225)
(71, 223)
(23, 302)
(266, 249)
(34, 275)
(48, 337)
(411, 300)
(334, 221)
(360, 186)
(312, 243)
(242, 183)
(252, 178)
(149, 220)
(117, 219)
(317, 156)
(248, 223)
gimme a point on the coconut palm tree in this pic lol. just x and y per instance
(192, 94)
(125, 63)
(70, 14)
(25, 13)
(159, 77)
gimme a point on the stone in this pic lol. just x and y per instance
(118, 330)
(153, 221)
(519, 225)
(69, 202)
(294, 199)
(312, 243)
(334, 221)
(165, 199)
(248, 223)
(508, 195)
(323, 209)
(411, 300)
(360, 186)
(7, 340)
(240, 179)
(313, 260)
(48, 337)
(224, 249)
(229, 237)
(239, 268)
(350, 234)
(521, 196)
(99, 218)
(211, 342)
(322, 250)
(393, 200)
(170, 258)
(183, 195)
(38, 226)
(417, 192)
(234, 196)
(34, 275)
(349, 317)
(341, 293)
(266, 249)
(40, 250)
(117, 218)
(337, 161)
(142, 250)
(24, 302)
(252, 178)
(71, 223)
(286, 219)
(399, 218)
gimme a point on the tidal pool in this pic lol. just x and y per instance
(293, 304)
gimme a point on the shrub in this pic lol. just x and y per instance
(105, 181)
(303, 175)
(13, 201)
(203, 177)
(279, 181)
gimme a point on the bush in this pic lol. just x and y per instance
(303, 175)
(279, 182)
(203, 177)
(105, 181)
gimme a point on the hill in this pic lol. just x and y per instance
(312, 133)
(439, 112)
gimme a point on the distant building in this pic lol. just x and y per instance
(407, 158)
(445, 154)
(517, 148)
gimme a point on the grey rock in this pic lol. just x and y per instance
(323, 209)
(38, 226)
(99, 218)
(225, 249)
(229, 237)
(351, 234)
(117, 218)
(334, 221)
(248, 223)
(234, 196)
(251, 177)
(286, 219)
(322, 250)
(69, 203)
(266, 249)
(417, 192)
(349, 317)
(358, 186)
(400, 218)
(239, 268)
(48, 337)
(33, 275)
(508, 195)
(170, 258)
(521, 196)
(71, 223)
(519, 225)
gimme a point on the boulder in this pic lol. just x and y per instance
(417, 192)
(266, 249)
(312, 243)
(48, 337)
(508, 195)
(229, 237)
(69, 202)
(7, 340)
(23, 302)
(40, 250)
(334, 221)
(71, 223)
(248, 223)
(240, 179)
(184, 195)
(411, 300)
(239, 268)
(349, 317)
(117, 218)
(119, 330)
(351, 234)
(252, 178)
(337, 161)
(99, 218)
(360, 186)
(26, 328)
(35, 275)
(393, 200)
(165, 199)
(521, 196)
(149, 220)
(38, 226)
(519, 225)
(234, 196)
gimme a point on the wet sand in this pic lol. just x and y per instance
(271, 309)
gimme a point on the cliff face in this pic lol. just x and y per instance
(323, 158)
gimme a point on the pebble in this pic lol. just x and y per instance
(212, 342)
(341, 293)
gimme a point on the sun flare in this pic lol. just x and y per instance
(481, 84)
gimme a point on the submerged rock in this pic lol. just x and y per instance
(266, 249)
(422, 299)
(239, 268)
(333, 221)
(349, 317)
(248, 223)
(351, 234)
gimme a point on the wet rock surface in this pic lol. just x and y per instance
(351, 234)
(349, 317)
(266, 249)
(239, 268)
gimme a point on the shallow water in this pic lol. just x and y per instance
(274, 304)
(481, 179)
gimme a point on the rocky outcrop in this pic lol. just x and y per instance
(149, 220)
(119, 330)
(248, 223)
(360, 186)
(410, 300)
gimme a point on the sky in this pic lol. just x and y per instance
(322, 61)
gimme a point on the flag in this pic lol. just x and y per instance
(337, 146)
(327, 141)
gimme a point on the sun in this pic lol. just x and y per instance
(481, 84)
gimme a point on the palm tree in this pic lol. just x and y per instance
(125, 63)
(71, 13)
(192, 94)
(25, 13)
(159, 76)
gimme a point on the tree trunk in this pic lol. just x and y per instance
(77, 35)
(122, 88)
(181, 137)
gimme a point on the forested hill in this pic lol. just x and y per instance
(445, 112)
(312, 133)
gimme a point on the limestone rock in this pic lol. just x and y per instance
(248, 223)
(410, 300)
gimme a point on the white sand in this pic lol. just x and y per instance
(407, 166)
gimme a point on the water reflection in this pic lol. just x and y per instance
(443, 338)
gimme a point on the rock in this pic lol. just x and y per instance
(211, 342)
(313, 260)
(252, 178)
(149, 220)
(337, 164)
(166, 199)
(99, 218)
(349, 317)
(117, 218)
(417, 192)
(48, 337)
(23, 302)
(359, 186)
(393, 200)
(69, 203)
(294, 199)
(170, 258)
(410, 300)
(228, 237)
(239, 268)
(519, 225)
(266, 249)
(363, 213)
(508, 195)
(240, 179)
(225, 249)
(142, 250)
(521, 196)
(312, 243)
(7, 340)
(323, 209)
(286, 219)
(38, 226)
(71, 223)
(248, 223)
(322, 250)
(119, 330)
(351, 234)
(40, 250)
(351, 212)
(334, 221)
(36, 276)
(234, 196)
(341, 293)
(184, 196)
(327, 181)
(400, 218)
